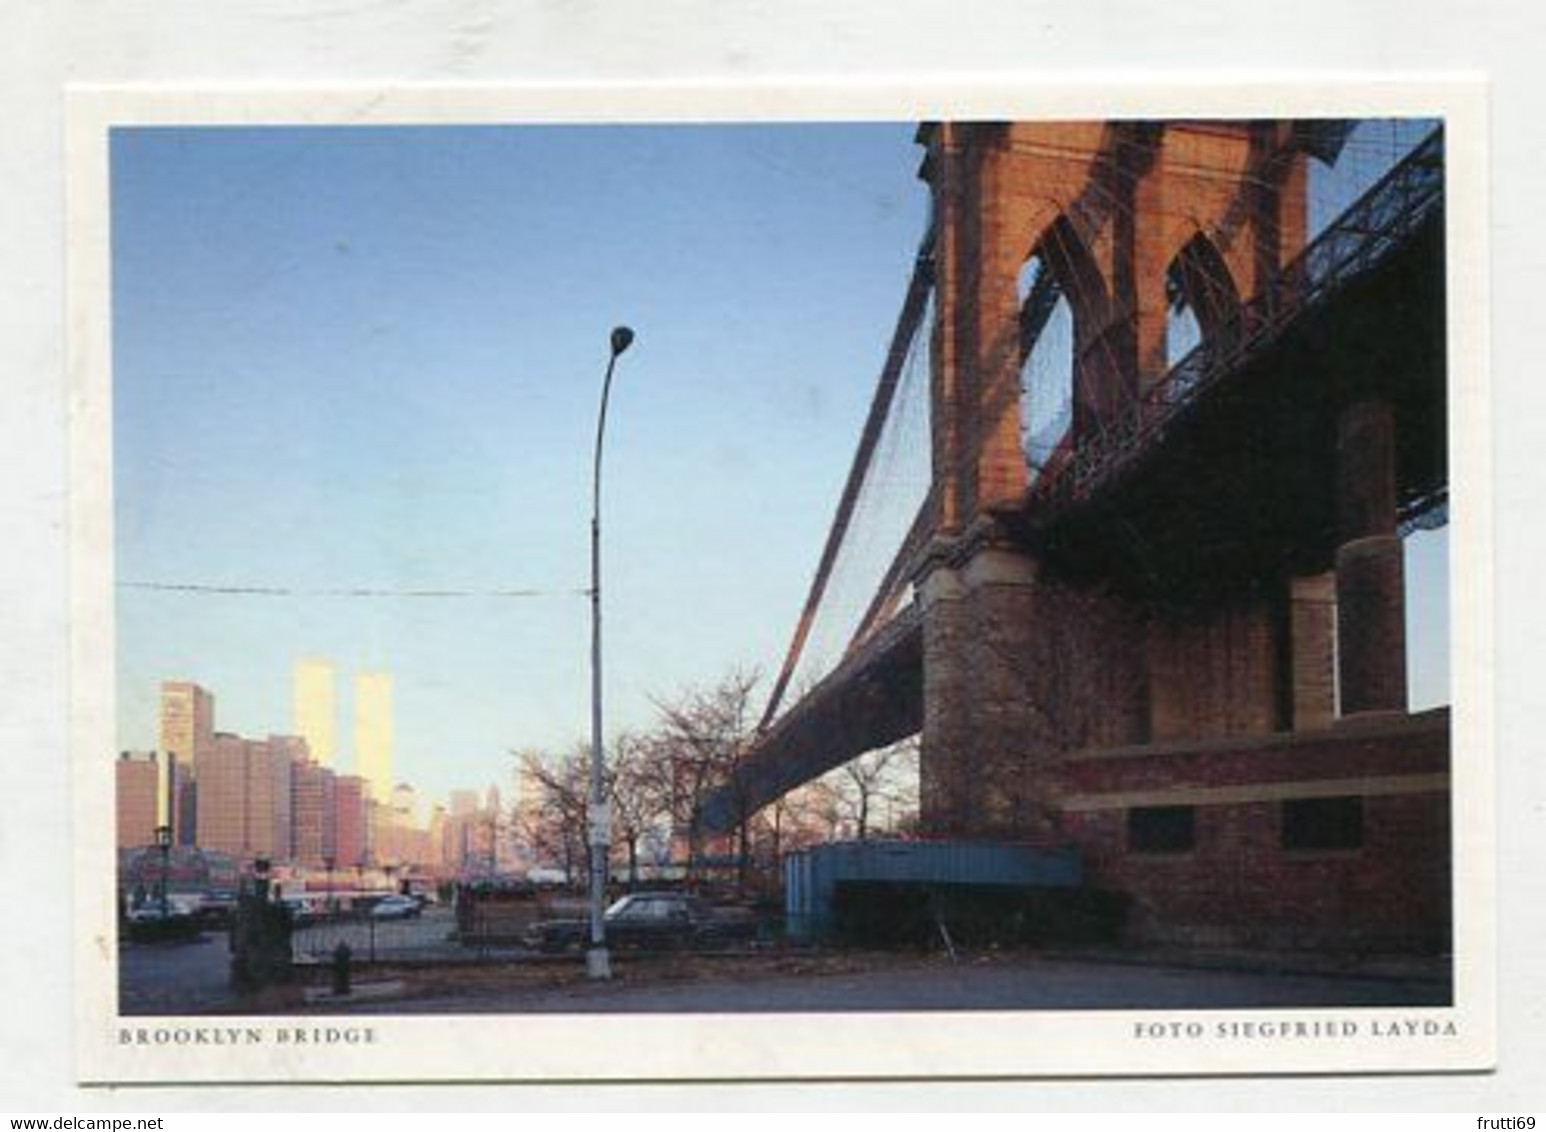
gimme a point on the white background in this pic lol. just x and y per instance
(46, 45)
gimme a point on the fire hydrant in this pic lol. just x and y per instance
(341, 957)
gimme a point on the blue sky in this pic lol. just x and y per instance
(371, 358)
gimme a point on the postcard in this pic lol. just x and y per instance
(811, 583)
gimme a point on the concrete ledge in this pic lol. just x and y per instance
(360, 992)
(1369, 726)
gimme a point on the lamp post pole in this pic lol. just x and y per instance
(164, 843)
(597, 963)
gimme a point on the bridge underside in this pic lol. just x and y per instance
(1242, 486)
(874, 698)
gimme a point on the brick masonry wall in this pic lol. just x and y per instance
(1238, 886)
(1214, 672)
(1015, 674)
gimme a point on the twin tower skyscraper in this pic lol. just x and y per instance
(315, 711)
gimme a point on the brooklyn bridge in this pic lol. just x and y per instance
(1179, 407)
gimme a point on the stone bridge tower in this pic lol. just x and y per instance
(1028, 655)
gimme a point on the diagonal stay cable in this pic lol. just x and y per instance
(913, 307)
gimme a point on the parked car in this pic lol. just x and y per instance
(151, 923)
(215, 908)
(649, 920)
(303, 912)
(396, 908)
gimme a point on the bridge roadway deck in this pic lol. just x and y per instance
(873, 698)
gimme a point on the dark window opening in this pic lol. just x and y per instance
(1161, 829)
(1323, 823)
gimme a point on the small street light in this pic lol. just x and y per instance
(597, 963)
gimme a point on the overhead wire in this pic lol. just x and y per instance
(341, 591)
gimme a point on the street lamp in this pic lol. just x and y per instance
(596, 962)
(164, 843)
(332, 903)
(260, 872)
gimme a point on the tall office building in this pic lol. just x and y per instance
(187, 722)
(435, 838)
(181, 794)
(245, 798)
(374, 828)
(350, 844)
(285, 753)
(222, 813)
(314, 801)
(458, 832)
(269, 799)
(401, 838)
(292, 747)
(405, 803)
(314, 707)
(373, 732)
(137, 778)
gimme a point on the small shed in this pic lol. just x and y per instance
(814, 878)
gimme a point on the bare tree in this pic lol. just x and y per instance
(810, 814)
(700, 742)
(633, 784)
(886, 776)
(770, 830)
(553, 823)
(825, 807)
(782, 826)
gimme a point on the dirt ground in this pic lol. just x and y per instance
(628, 969)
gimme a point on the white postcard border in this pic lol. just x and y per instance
(776, 1046)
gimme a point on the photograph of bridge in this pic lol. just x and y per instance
(1026, 556)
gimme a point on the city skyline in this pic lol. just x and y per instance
(176, 696)
(268, 797)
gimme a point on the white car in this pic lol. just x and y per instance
(395, 908)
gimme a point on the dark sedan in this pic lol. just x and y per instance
(656, 920)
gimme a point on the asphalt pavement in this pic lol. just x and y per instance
(1020, 982)
(175, 977)
(192, 978)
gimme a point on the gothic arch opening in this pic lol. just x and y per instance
(1063, 309)
(1046, 364)
(1201, 299)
